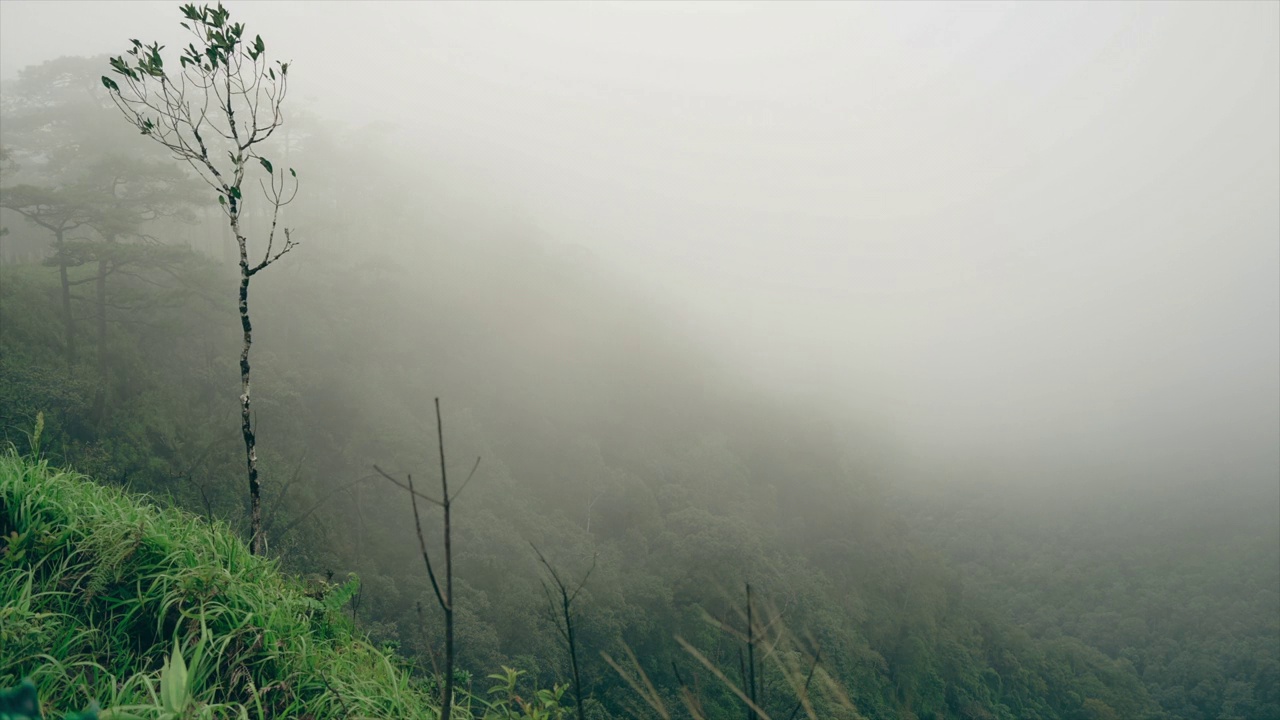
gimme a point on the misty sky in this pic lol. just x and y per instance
(1035, 229)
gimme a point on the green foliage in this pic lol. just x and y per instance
(1181, 590)
(220, 48)
(145, 432)
(244, 626)
(507, 703)
(226, 634)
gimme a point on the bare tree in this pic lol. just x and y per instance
(750, 678)
(567, 596)
(444, 596)
(224, 98)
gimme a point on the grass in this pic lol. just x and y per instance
(152, 612)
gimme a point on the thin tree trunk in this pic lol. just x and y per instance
(443, 597)
(566, 612)
(68, 323)
(573, 655)
(100, 397)
(257, 543)
(447, 710)
(751, 657)
(355, 604)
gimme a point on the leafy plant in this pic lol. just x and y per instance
(509, 704)
(223, 70)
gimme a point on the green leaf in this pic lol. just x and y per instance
(235, 192)
(341, 596)
(291, 172)
(266, 164)
(173, 681)
(222, 199)
(110, 84)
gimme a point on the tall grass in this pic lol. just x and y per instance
(154, 613)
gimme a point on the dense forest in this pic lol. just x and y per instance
(1181, 589)
(725, 542)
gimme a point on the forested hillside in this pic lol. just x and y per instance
(1182, 587)
(607, 439)
(479, 471)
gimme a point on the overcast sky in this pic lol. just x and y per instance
(1049, 227)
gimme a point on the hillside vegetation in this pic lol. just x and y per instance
(677, 521)
(609, 439)
(107, 599)
(1183, 588)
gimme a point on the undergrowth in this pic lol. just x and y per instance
(107, 600)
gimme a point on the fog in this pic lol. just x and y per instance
(1033, 242)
